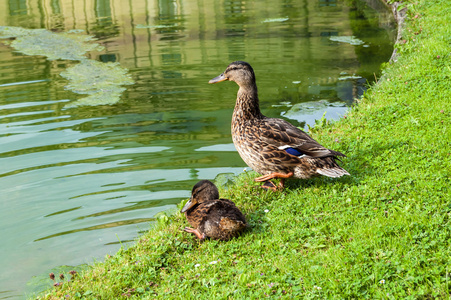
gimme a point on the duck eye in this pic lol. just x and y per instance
(196, 192)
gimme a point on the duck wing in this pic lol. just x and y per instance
(213, 206)
(285, 136)
(215, 210)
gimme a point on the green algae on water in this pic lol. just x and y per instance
(276, 20)
(311, 107)
(66, 45)
(102, 82)
(141, 26)
(352, 40)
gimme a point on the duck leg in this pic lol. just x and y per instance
(270, 185)
(273, 175)
(195, 232)
(282, 183)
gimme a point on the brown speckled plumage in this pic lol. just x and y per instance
(212, 217)
(264, 143)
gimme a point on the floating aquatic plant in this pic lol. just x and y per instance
(349, 77)
(141, 26)
(275, 20)
(347, 39)
(102, 82)
(312, 106)
(71, 45)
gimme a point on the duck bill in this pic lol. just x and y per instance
(218, 79)
(188, 205)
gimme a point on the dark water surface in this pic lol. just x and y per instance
(77, 179)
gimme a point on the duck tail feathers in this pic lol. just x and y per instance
(337, 153)
(333, 172)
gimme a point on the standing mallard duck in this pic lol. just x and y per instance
(273, 147)
(210, 216)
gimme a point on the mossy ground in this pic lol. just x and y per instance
(384, 232)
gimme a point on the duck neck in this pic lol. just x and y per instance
(247, 103)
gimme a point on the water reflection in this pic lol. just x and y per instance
(75, 181)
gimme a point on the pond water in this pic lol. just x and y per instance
(79, 177)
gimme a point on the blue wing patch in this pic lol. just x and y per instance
(293, 151)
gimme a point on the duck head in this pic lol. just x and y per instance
(239, 71)
(203, 191)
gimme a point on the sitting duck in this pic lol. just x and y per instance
(270, 146)
(210, 216)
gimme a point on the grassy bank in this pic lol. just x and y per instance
(384, 232)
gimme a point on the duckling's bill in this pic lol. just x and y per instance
(218, 79)
(188, 205)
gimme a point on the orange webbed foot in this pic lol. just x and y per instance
(196, 232)
(272, 176)
(271, 186)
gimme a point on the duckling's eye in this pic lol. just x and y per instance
(196, 192)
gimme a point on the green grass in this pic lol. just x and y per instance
(382, 233)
